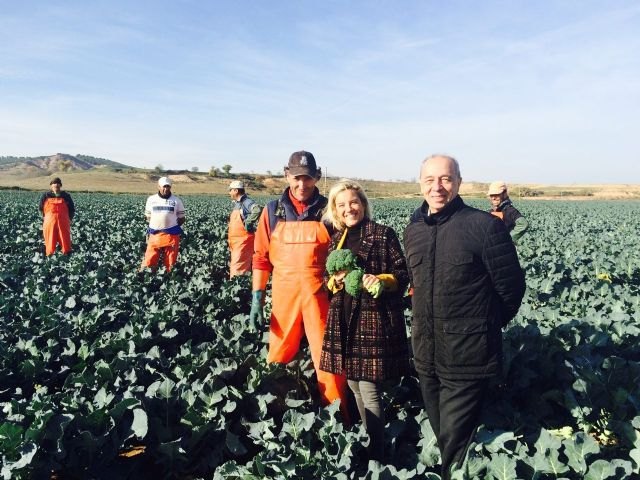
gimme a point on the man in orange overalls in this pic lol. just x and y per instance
(57, 209)
(242, 225)
(292, 244)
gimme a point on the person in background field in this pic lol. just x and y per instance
(467, 285)
(242, 225)
(366, 337)
(502, 207)
(291, 245)
(57, 209)
(165, 214)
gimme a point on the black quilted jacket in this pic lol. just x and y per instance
(467, 285)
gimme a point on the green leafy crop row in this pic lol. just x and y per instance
(108, 373)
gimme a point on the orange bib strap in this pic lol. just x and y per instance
(56, 206)
(236, 226)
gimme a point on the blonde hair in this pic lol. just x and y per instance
(331, 215)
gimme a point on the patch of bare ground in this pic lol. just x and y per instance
(181, 178)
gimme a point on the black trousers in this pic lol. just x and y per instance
(453, 408)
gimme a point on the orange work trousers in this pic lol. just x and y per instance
(240, 245)
(158, 243)
(300, 304)
(56, 226)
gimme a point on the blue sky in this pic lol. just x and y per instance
(518, 90)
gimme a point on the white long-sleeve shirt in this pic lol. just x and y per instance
(163, 213)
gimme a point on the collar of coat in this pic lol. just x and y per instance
(240, 200)
(367, 240)
(505, 203)
(314, 200)
(366, 237)
(422, 214)
(64, 195)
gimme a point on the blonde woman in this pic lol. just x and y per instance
(365, 337)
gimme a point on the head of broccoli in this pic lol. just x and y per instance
(353, 282)
(340, 260)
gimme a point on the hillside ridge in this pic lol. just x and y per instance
(84, 173)
(59, 162)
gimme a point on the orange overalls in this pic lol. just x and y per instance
(298, 251)
(240, 245)
(56, 226)
(157, 243)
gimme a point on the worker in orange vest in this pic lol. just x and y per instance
(57, 209)
(242, 225)
(291, 245)
(165, 214)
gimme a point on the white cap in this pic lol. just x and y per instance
(496, 188)
(236, 184)
(162, 181)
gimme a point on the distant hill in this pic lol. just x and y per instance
(101, 161)
(85, 173)
(60, 162)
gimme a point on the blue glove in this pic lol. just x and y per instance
(256, 317)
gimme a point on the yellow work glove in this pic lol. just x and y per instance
(389, 281)
(336, 281)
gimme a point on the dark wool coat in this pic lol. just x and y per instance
(372, 344)
(467, 284)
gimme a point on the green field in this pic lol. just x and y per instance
(106, 373)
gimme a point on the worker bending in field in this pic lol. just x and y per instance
(165, 214)
(242, 225)
(292, 244)
(57, 209)
(502, 207)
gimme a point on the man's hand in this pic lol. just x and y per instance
(256, 317)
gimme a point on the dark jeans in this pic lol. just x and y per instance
(453, 408)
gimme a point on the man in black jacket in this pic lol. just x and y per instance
(467, 285)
